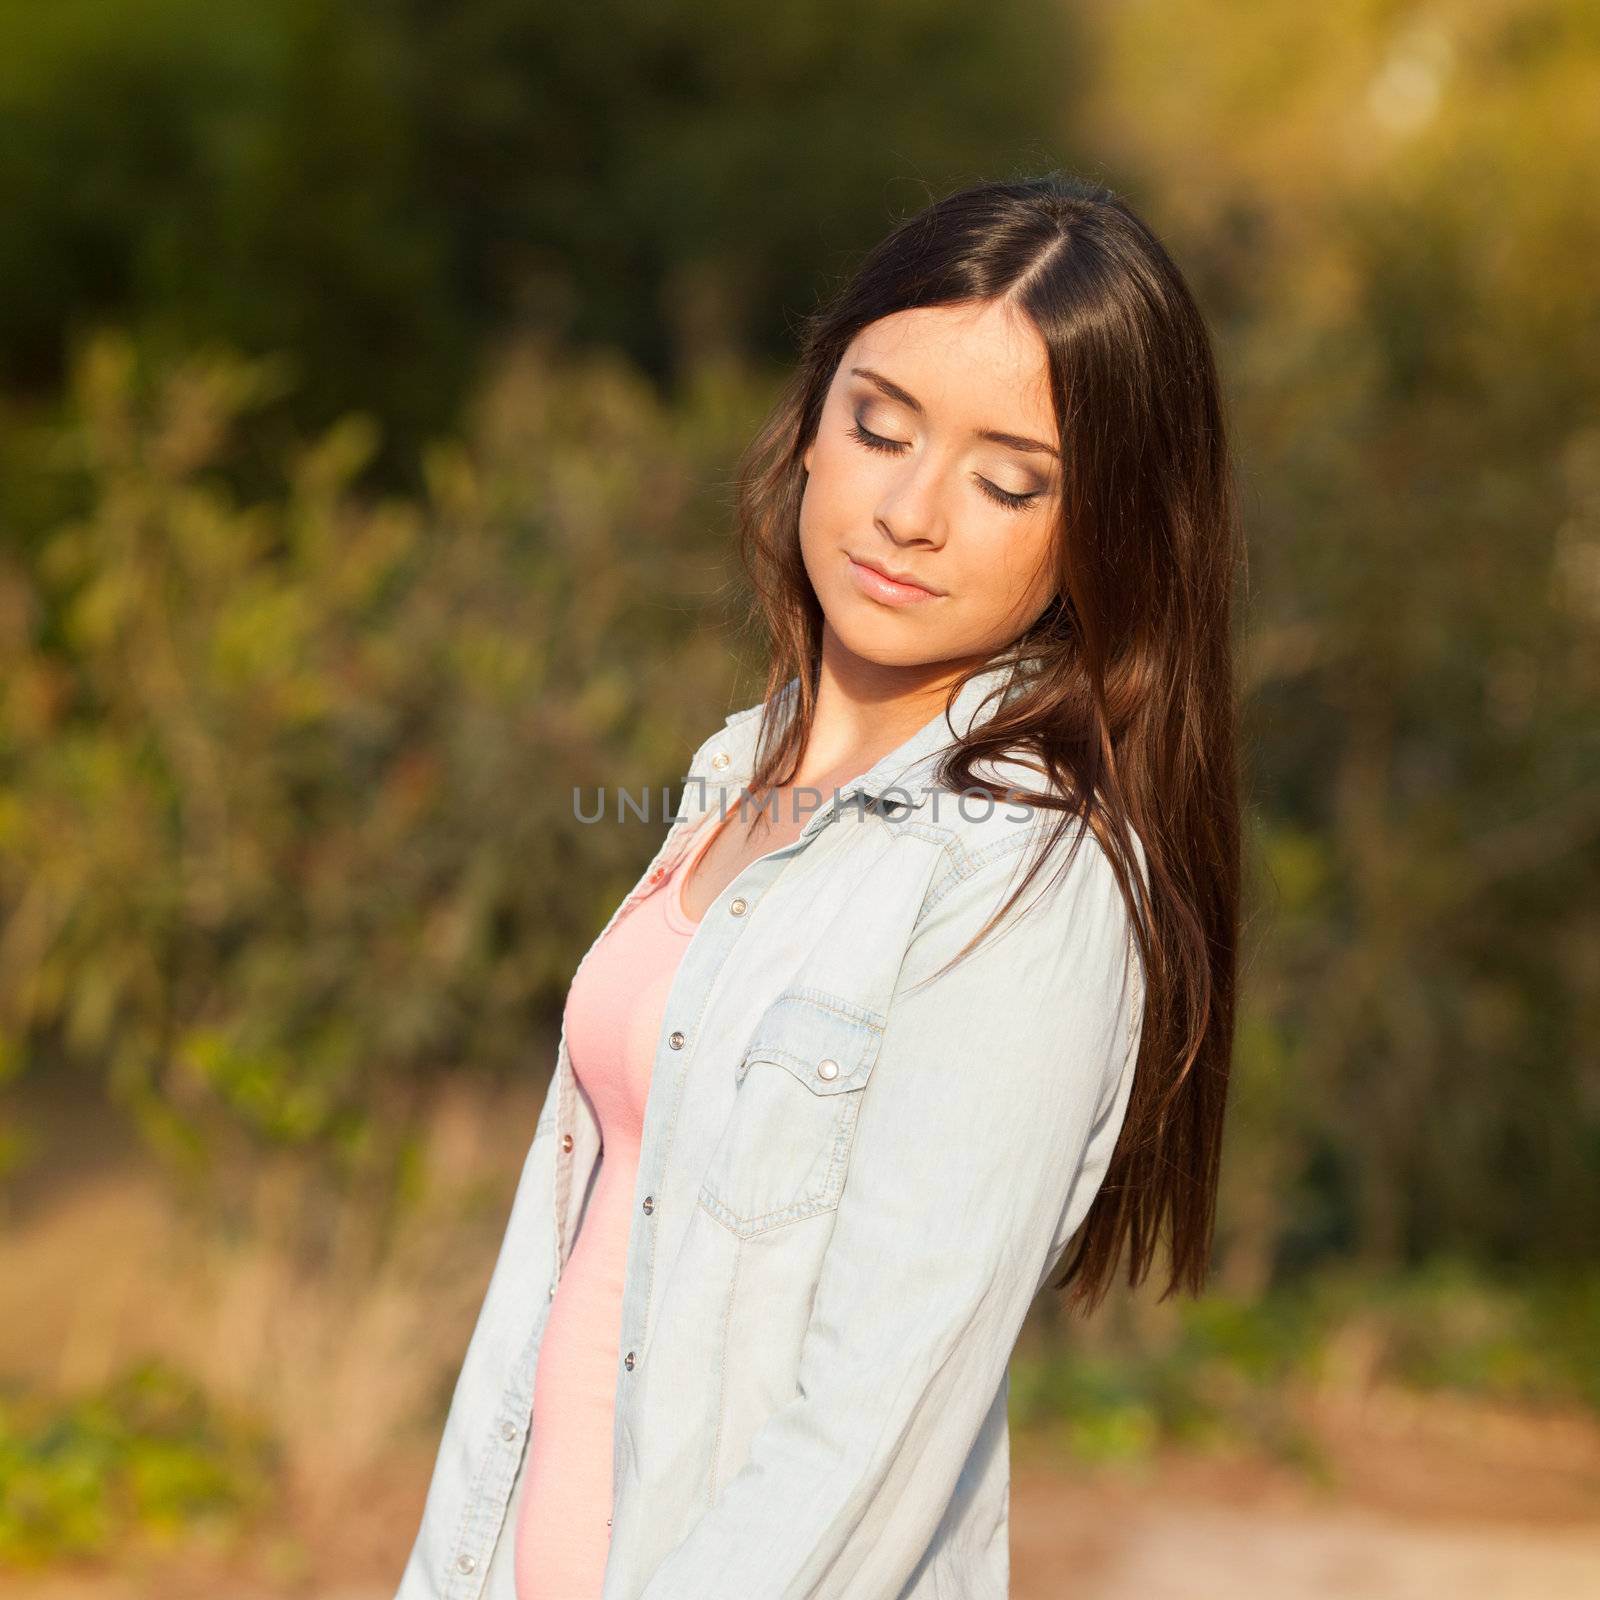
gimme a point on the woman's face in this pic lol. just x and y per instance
(935, 461)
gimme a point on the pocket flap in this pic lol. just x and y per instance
(827, 1042)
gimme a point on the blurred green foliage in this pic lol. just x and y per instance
(288, 787)
(146, 1459)
(1225, 1371)
(375, 189)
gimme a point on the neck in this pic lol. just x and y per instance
(866, 709)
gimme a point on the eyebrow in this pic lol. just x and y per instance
(1013, 441)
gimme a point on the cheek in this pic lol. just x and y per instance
(839, 479)
(1011, 566)
(1033, 562)
(835, 501)
(818, 524)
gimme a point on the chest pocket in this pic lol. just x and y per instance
(785, 1148)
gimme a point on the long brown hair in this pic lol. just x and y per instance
(1130, 704)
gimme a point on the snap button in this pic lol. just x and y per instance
(649, 1203)
(566, 1141)
(465, 1563)
(738, 908)
(720, 760)
(827, 1069)
(552, 1291)
(627, 1361)
(508, 1431)
(676, 1041)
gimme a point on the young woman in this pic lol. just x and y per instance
(927, 999)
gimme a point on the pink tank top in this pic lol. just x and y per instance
(614, 1013)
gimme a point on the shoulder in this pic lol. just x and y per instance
(986, 848)
(1053, 952)
(981, 859)
(735, 736)
(974, 830)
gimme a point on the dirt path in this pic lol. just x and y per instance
(1182, 1531)
(1077, 1539)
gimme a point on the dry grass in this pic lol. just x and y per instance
(346, 1361)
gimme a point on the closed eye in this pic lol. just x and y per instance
(893, 447)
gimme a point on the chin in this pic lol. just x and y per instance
(867, 639)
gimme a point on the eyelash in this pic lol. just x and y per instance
(893, 447)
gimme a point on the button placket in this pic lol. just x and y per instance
(709, 954)
(566, 1085)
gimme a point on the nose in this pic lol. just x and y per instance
(912, 506)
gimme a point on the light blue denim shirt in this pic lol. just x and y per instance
(850, 1189)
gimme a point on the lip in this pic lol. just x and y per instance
(873, 581)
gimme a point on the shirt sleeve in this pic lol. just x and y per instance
(988, 1121)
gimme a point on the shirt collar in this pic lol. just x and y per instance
(904, 777)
